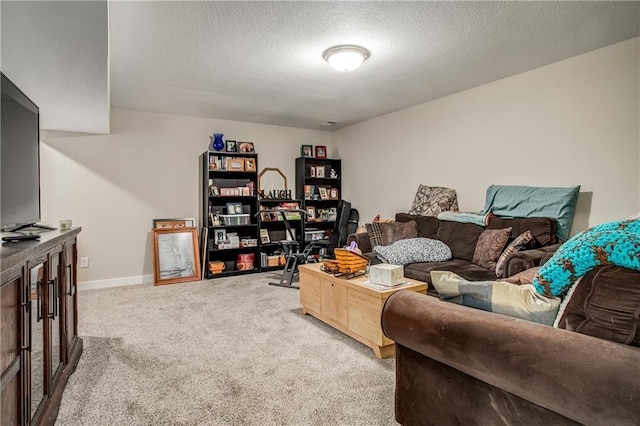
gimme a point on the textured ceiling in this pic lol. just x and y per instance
(262, 61)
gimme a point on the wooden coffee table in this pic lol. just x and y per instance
(350, 305)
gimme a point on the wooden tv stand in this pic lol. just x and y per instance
(40, 343)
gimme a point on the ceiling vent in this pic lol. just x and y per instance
(330, 123)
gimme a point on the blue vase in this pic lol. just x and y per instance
(217, 144)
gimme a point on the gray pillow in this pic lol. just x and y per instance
(413, 250)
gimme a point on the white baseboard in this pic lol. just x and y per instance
(115, 282)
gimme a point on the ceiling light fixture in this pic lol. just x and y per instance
(346, 57)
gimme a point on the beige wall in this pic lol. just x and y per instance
(575, 122)
(114, 185)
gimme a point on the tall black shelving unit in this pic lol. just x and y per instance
(307, 177)
(221, 169)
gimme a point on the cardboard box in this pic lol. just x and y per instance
(386, 274)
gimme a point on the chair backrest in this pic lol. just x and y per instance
(338, 236)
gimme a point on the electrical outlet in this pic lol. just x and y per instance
(84, 262)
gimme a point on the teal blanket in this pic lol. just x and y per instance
(532, 201)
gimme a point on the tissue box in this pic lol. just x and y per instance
(386, 274)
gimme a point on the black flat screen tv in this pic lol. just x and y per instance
(20, 158)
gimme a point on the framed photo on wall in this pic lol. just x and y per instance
(176, 255)
(321, 151)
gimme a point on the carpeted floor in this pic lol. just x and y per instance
(227, 351)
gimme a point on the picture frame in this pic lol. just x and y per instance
(245, 147)
(219, 235)
(234, 208)
(306, 151)
(174, 223)
(333, 193)
(235, 165)
(264, 236)
(214, 191)
(321, 151)
(324, 193)
(319, 171)
(176, 255)
(249, 164)
(311, 213)
(312, 171)
(230, 146)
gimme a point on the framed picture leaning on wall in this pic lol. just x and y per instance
(176, 255)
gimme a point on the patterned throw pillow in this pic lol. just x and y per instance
(520, 301)
(489, 246)
(516, 245)
(431, 200)
(413, 250)
(383, 234)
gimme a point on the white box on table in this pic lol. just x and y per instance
(386, 274)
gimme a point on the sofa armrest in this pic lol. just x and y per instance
(526, 259)
(589, 380)
(362, 239)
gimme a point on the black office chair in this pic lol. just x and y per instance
(346, 223)
(291, 248)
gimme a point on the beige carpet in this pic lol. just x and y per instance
(229, 351)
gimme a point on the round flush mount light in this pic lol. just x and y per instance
(346, 57)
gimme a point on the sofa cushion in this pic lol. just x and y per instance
(489, 246)
(460, 237)
(465, 268)
(384, 234)
(412, 250)
(431, 200)
(606, 304)
(542, 228)
(530, 201)
(519, 243)
(427, 225)
(520, 301)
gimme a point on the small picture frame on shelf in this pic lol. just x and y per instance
(312, 171)
(231, 146)
(319, 171)
(324, 194)
(321, 151)
(234, 208)
(235, 164)
(219, 235)
(246, 147)
(214, 191)
(333, 193)
(311, 213)
(306, 151)
(264, 236)
(249, 164)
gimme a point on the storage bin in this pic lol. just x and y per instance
(235, 219)
(313, 235)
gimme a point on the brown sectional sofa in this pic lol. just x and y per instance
(462, 238)
(459, 365)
